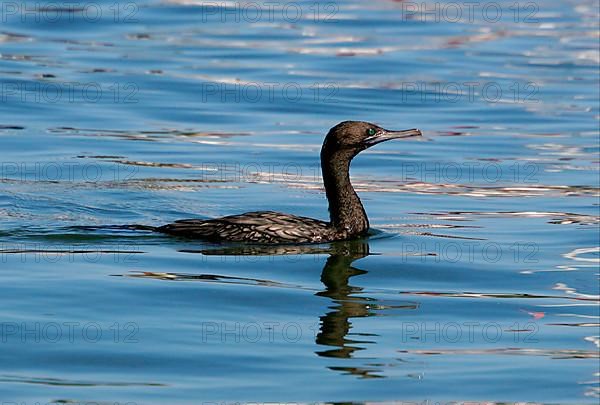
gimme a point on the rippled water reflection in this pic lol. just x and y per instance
(481, 283)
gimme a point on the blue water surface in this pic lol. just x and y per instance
(480, 283)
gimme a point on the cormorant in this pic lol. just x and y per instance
(348, 218)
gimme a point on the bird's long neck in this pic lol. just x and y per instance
(346, 211)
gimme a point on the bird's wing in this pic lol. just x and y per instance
(258, 226)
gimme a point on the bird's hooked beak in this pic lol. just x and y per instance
(385, 135)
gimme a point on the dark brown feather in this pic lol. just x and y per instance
(257, 227)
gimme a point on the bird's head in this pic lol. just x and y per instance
(356, 136)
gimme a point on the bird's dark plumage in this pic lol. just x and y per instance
(258, 226)
(348, 217)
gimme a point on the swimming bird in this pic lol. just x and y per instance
(348, 218)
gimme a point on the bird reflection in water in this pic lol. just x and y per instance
(335, 326)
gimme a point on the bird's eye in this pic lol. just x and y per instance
(371, 131)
